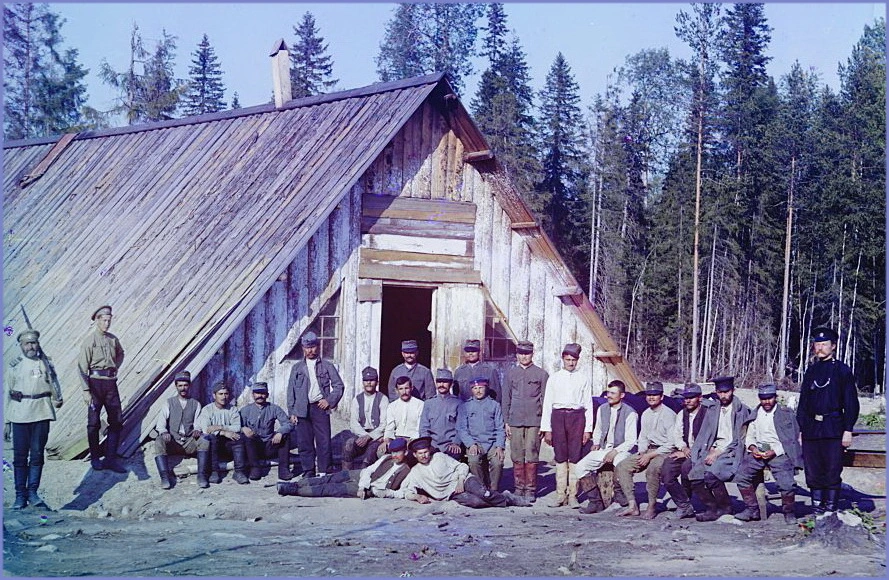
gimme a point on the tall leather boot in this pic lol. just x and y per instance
(723, 499)
(239, 455)
(531, 481)
(34, 473)
(21, 487)
(595, 504)
(831, 500)
(788, 503)
(215, 476)
(572, 487)
(203, 468)
(751, 509)
(817, 500)
(252, 460)
(706, 496)
(112, 460)
(518, 474)
(163, 470)
(561, 485)
(495, 472)
(677, 491)
(284, 463)
(95, 453)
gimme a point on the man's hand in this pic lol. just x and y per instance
(323, 404)
(679, 454)
(596, 447)
(508, 431)
(847, 438)
(422, 499)
(385, 444)
(294, 419)
(642, 461)
(276, 438)
(231, 435)
(498, 453)
(87, 397)
(711, 456)
(453, 448)
(196, 434)
(609, 457)
(58, 404)
(547, 437)
(363, 440)
(166, 437)
(586, 437)
(247, 431)
(362, 493)
(475, 449)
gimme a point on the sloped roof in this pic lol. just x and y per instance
(185, 249)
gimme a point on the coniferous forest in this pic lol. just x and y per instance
(714, 214)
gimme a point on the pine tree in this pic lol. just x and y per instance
(236, 102)
(558, 198)
(44, 84)
(427, 38)
(311, 68)
(205, 88)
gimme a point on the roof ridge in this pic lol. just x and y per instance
(364, 91)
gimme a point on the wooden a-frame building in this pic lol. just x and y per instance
(370, 216)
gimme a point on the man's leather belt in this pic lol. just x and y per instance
(104, 373)
(18, 395)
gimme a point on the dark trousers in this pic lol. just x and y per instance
(313, 439)
(750, 471)
(218, 444)
(28, 443)
(352, 451)
(340, 484)
(823, 460)
(476, 495)
(258, 449)
(568, 427)
(104, 394)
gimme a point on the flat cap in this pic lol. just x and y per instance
(219, 385)
(767, 391)
(309, 339)
(480, 381)
(260, 387)
(409, 346)
(444, 375)
(369, 374)
(524, 347)
(182, 376)
(654, 388)
(472, 345)
(420, 443)
(723, 383)
(691, 390)
(572, 349)
(398, 444)
(101, 310)
(30, 335)
(823, 334)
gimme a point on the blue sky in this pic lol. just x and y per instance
(595, 38)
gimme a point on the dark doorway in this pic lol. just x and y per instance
(407, 313)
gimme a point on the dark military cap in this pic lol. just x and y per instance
(767, 391)
(409, 346)
(724, 383)
(397, 444)
(654, 388)
(310, 339)
(472, 345)
(182, 376)
(572, 349)
(524, 347)
(691, 390)
(420, 443)
(29, 335)
(102, 310)
(369, 374)
(480, 381)
(219, 385)
(822, 334)
(444, 375)
(260, 387)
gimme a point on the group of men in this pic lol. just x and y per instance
(444, 436)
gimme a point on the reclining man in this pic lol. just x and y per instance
(221, 426)
(382, 479)
(439, 477)
(178, 433)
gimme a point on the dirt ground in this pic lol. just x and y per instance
(109, 524)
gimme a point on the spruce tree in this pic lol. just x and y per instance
(205, 88)
(236, 102)
(311, 69)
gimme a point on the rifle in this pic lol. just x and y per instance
(50, 370)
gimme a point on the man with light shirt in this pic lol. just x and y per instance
(616, 431)
(567, 421)
(772, 441)
(402, 415)
(654, 443)
(313, 391)
(221, 426)
(367, 422)
(178, 433)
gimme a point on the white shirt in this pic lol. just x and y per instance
(164, 415)
(438, 479)
(724, 433)
(403, 419)
(656, 429)
(315, 394)
(378, 486)
(762, 430)
(368, 428)
(630, 429)
(566, 390)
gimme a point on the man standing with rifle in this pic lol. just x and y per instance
(30, 382)
(100, 358)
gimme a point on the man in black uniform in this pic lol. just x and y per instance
(827, 412)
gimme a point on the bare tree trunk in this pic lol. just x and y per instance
(709, 311)
(785, 299)
(847, 353)
(597, 228)
(695, 316)
(839, 320)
